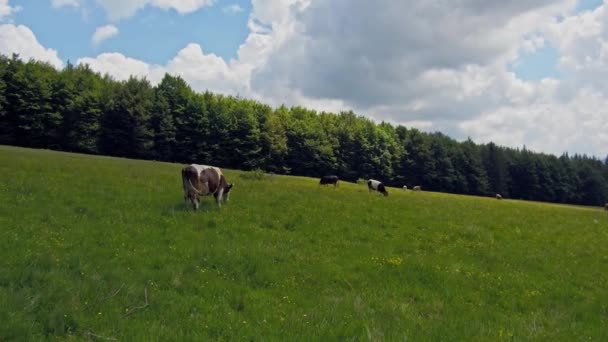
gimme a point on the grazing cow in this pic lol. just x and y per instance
(498, 196)
(203, 180)
(405, 187)
(375, 185)
(606, 206)
(325, 180)
(417, 188)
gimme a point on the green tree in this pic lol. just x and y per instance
(31, 120)
(77, 95)
(495, 164)
(274, 139)
(6, 128)
(126, 127)
(175, 119)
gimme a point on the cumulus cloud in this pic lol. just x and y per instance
(386, 48)
(202, 71)
(268, 26)
(432, 65)
(21, 40)
(578, 125)
(6, 10)
(104, 32)
(446, 67)
(119, 9)
(65, 3)
(122, 67)
(232, 9)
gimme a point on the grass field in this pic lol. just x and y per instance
(105, 248)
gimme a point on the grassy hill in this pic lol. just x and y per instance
(105, 248)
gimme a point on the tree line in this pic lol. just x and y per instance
(76, 109)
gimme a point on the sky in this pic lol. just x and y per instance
(519, 73)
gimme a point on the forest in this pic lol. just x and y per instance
(78, 110)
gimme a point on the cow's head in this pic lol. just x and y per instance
(385, 193)
(228, 187)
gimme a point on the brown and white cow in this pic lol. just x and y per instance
(204, 180)
(498, 196)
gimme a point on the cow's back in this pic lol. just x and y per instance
(214, 178)
(372, 183)
(191, 173)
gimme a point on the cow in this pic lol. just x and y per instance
(606, 206)
(204, 180)
(325, 180)
(405, 187)
(375, 185)
(417, 188)
(498, 196)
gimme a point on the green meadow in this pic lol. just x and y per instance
(99, 248)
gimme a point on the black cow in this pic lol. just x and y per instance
(325, 180)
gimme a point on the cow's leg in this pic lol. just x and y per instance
(227, 197)
(218, 196)
(195, 202)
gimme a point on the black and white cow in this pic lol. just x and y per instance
(203, 180)
(375, 185)
(325, 180)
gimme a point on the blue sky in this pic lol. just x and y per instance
(584, 5)
(152, 35)
(542, 63)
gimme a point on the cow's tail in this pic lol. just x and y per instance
(185, 184)
(191, 187)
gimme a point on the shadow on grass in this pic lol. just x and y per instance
(181, 207)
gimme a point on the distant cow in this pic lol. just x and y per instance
(325, 180)
(417, 188)
(203, 180)
(405, 187)
(375, 185)
(498, 196)
(606, 206)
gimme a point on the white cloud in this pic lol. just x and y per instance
(104, 32)
(423, 64)
(578, 125)
(202, 71)
(182, 6)
(21, 40)
(232, 9)
(121, 67)
(119, 9)
(6, 10)
(208, 71)
(65, 3)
